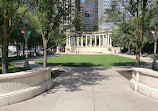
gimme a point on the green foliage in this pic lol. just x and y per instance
(57, 39)
(126, 21)
(77, 21)
(123, 36)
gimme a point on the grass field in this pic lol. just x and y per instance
(90, 60)
(10, 67)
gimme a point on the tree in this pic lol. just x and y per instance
(9, 8)
(135, 11)
(17, 38)
(51, 14)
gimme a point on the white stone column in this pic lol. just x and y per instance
(103, 41)
(108, 40)
(99, 40)
(95, 40)
(81, 41)
(74, 41)
(86, 41)
(77, 41)
(67, 40)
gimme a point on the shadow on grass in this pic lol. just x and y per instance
(75, 64)
(77, 78)
(94, 65)
(126, 64)
(123, 64)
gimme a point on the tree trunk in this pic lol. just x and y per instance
(17, 48)
(45, 53)
(4, 59)
(35, 49)
(138, 45)
(5, 43)
(137, 54)
(5, 55)
(129, 50)
(23, 52)
(0, 31)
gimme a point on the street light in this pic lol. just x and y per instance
(154, 64)
(26, 64)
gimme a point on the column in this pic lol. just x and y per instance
(99, 40)
(74, 41)
(90, 41)
(77, 41)
(81, 41)
(67, 40)
(108, 40)
(95, 40)
(103, 41)
(86, 40)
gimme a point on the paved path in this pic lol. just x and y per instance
(88, 89)
(32, 60)
(148, 60)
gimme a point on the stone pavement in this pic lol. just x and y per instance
(32, 60)
(148, 60)
(88, 89)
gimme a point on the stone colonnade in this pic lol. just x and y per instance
(91, 40)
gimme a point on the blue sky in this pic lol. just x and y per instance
(82, 1)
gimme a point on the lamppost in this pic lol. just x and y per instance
(26, 64)
(154, 64)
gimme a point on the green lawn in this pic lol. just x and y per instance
(10, 67)
(90, 60)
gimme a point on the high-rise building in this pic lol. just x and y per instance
(102, 6)
(89, 10)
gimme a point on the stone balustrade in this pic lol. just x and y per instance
(20, 86)
(77, 41)
(145, 81)
(94, 42)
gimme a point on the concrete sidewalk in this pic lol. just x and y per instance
(32, 60)
(148, 60)
(88, 89)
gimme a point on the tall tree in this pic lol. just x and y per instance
(9, 8)
(136, 10)
(51, 14)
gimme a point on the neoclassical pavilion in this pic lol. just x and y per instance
(95, 42)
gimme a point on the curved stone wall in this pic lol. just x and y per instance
(20, 86)
(145, 81)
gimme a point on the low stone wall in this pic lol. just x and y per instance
(20, 86)
(99, 50)
(145, 81)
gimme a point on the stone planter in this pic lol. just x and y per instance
(20, 86)
(145, 81)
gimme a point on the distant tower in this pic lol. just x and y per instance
(89, 10)
(102, 6)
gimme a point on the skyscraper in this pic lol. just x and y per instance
(102, 6)
(89, 10)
